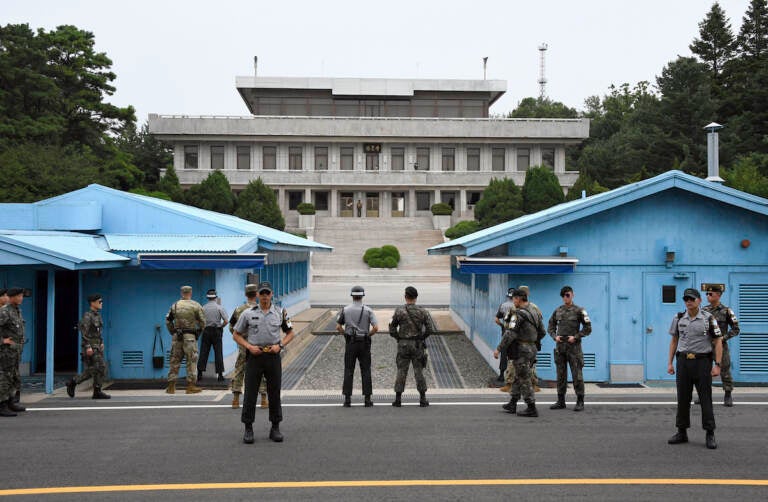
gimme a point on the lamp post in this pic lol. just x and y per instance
(713, 160)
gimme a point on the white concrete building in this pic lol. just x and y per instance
(397, 146)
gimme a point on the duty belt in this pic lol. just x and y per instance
(188, 332)
(695, 355)
(527, 342)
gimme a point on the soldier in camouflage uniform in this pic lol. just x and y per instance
(92, 347)
(251, 292)
(4, 302)
(506, 370)
(725, 317)
(185, 321)
(410, 326)
(509, 374)
(525, 326)
(12, 336)
(564, 329)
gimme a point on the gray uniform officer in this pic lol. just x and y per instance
(358, 324)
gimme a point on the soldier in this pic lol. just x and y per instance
(526, 326)
(92, 347)
(215, 320)
(358, 324)
(251, 292)
(564, 329)
(694, 335)
(258, 332)
(184, 321)
(3, 302)
(534, 377)
(725, 317)
(12, 336)
(505, 369)
(410, 326)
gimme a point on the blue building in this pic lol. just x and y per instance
(136, 251)
(628, 253)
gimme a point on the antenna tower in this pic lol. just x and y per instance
(542, 78)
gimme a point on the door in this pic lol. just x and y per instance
(662, 300)
(398, 204)
(346, 204)
(372, 204)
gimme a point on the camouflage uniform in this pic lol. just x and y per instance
(11, 326)
(509, 374)
(91, 327)
(725, 317)
(526, 327)
(184, 321)
(565, 322)
(411, 325)
(239, 372)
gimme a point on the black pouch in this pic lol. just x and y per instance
(158, 361)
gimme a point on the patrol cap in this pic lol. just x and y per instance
(411, 292)
(519, 293)
(211, 293)
(710, 287)
(265, 286)
(565, 289)
(524, 289)
(94, 297)
(510, 292)
(357, 291)
(186, 289)
(15, 291)
(691, 293)
(251, 288)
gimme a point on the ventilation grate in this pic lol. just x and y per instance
(752, 354)
(132, 358)
(752, 304)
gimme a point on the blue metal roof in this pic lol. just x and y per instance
(182, 244)
(69, 250)
(560, 214)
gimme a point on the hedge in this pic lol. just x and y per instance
(386, 256)
(441, 209)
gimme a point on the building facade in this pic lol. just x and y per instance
(370, 147)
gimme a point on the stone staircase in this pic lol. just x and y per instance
(351, 237)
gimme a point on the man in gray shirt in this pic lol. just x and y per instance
(358, 324)
(215, 320)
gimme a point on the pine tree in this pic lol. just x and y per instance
(541, 190)
(170, 185)
(501, 201)
(214, 194)
(716, 43)
(258, 203)
(752, 41)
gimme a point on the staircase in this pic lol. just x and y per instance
(351, 237)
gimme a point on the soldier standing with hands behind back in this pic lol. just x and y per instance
(358, 324)
(11, 343)
(185, 321)
(564, 329)
(725, 317)
(92, 346)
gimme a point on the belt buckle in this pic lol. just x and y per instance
(690, 355)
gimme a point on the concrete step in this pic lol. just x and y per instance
(416, 222)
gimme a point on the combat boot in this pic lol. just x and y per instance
(275, 434)
(398, 400)
(505, 388)
(71, 385)
(264, 401)
(193, 389)
(5, 411)
(248, 434)
(15, 406)
(423, 400)
(98, 394)
(511, 406)
(536, 388)
(681, 436)
(199, 376)
(728, 400)
(17, 396)
(530, 411)
(711, 443)
(579, 403)
(347, 402)
(171, 389)
(235, 399)
(560, 404)
(368, 402)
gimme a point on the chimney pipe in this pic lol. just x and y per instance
(713, 158)
(255, 66)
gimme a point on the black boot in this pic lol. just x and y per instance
(511, 406)
(248, 435)
(347, 401)
(728, 400)
(711, 443)
(199, 376)
(560, 404)
(423, 399)
(5, 411)
(17, 396)
(398, 400)
(14, 406)
(579, 403)
(274, 433)
(221, 377)
(530, 411)
(368, 402)
(71, 385)
(98, 394)
(680, 437)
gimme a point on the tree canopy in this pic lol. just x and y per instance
(501, 201)
(258, 203)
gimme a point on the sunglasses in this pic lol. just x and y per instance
(710, 293)
(265, 292)
(567, 295)
(689, 299)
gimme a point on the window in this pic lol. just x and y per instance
(190, 157)
(269, 160)
(668, 294)
(523, 159)
(398, 158)
(321, 201)
(347, 158)
(243, 157)
(295, 198)
(371, 161)
(498, 159)
(548, 157)
(295, 106)
(422, 201)
(294, 158)
(217, 157)
(473, 198)
(473, 159)
(449, 159)
(422, 159)
(321, 158)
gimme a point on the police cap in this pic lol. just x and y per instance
(15, 291)
(565, 289)
(211, 294)
(510, 292)
(94, 297)
(691, 293)
(186, 289)
(411, 292)
(357, 291)
(265, 286)
(251, 288)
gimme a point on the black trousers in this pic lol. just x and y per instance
(694, 373)
(211, 337)
(270, 367)
(357, 351)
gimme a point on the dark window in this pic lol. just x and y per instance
(347, 158)
(190, 157)
(371, 161)
(295, 198)
(243, 157)
(269, 161)
(294, 158)
(523, 159)
(498, 159)
(668, 294)
(217, 157)
(473, 198)
(398, 158)
(321, 158)
(449, 159)
(422, 159)
(473, 159)
(321, 201)
(422, 201)
(548, 157)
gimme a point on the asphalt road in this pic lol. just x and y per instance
(459, 448)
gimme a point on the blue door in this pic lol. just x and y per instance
(662, 300)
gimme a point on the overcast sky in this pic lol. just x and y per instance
(181, 57)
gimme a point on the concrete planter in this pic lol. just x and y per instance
(306, 221)
(441, 222)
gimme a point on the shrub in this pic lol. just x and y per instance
(306, 208)
(441, 209)
(386, 256)
(462, 228)
(390, 250)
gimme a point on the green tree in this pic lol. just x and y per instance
(716, 42)
(541, 189)
(170, 185)
(747, 174)
(258, 203)
(156, 194)
(542, 108)
(752, 41)
(501, 201)
(213, 194)
(586, 184)
(148, 153)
